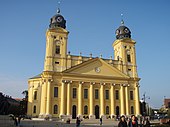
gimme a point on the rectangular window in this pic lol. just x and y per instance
(74, 92)
(55, 91)
(128, 58)
(117, 94)
(131, 95)
(35, 95)
(85, 93)
(96, 94)
(107, 94)
(57, 51)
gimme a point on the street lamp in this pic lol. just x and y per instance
(144, 103)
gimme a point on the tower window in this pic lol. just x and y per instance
(117, 94)
(85, 93)
(128, 58)
(57, 62)
(74, 92)
(96, 94)
(34, 109)
(57, 51)
(35, 95)
(131, 95)
(55, 91)
(107, 94)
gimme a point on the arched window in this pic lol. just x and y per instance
(85, 109)
(34, 109)
(107, 110)
(132, 110)
(55, 109)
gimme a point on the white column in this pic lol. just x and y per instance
(122, 104)
(127, 99)
(80, 99)
(48, 97)
(68, 99)
(102, 100)
(62, 106)
(91, 102)
(43, 96)
(112, 100)
(137, 99)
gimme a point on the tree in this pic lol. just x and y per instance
(24, 102)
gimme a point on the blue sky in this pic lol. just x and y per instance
(92, 25)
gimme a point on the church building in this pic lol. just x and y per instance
(85, 86)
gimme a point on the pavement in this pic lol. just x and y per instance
(84, 123)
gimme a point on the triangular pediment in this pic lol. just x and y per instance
(96, 67)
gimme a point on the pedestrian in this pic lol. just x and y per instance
(15, 121)
(133, 122)
(147, 123)
(122, 122)
(101, 121)
(78, 122)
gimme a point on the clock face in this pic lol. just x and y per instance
(97, 69)
(126, 30)
(117, 32)
(59, 19)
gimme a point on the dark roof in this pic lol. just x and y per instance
(37, 76)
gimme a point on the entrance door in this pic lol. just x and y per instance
(74, 114)
(117, 111)
(97, 111)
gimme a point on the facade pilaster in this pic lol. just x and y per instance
(62, 106)
(102, 100)
(122, 104)
(68, 98)
(48, 97)
(137, 99)
(91, 115)
(43, 99)
(80, 99)
(112, 100)
(127, 99)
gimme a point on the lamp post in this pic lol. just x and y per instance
(144, 103)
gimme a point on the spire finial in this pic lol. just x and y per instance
(122, 21)
(58, 10)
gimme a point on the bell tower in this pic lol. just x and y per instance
(56, 44)
(124, 50)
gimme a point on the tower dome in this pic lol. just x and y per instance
(57, 21)
(123, 31)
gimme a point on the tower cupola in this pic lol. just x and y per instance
(123, 32)
(57, 21)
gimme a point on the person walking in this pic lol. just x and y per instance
(147, 123)
(133, 122)
(101, 121)
(122, 122)
(78, 122)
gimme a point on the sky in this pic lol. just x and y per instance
(92, 25)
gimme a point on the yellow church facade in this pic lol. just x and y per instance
(85, 86)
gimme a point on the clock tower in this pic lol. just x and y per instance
(124, 50)
(56, 44)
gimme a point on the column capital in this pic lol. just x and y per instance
(137, 85)
(81, 82)
(92, 83)
(103, 83)
(64, 81)
(113, 84)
